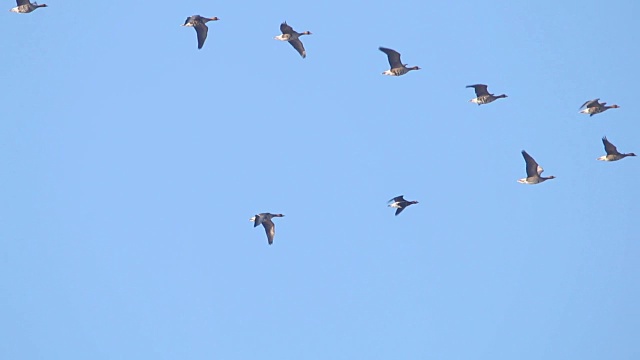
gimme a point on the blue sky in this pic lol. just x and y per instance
(131, 163)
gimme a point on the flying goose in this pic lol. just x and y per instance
(482, 95)
(400, 203)
(397, 67)
(533, 171)
(612, 152)
(292, 36)
(199, 23)
(25, 6)
(593, 107)
(269, 226)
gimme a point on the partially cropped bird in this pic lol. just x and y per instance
(482, 95)
(593, 107)
(533, 171)
(399, 203)
(269, 226)
(292, 36)
(397, 67)
(612, 152)
(25, 6)
(199, 23)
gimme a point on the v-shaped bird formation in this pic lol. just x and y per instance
(396, 68)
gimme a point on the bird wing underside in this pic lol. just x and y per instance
(201, 30)
(533, 168)
(481, 89)
(609, 147)
(393, 57)
(286, 29)
(270, 229)
(297, 44)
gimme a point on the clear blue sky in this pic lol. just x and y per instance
(131, 162)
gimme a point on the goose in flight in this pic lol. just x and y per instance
(482, 95)
(399, 203)
(612, 152)
(199, 23)
(292, 36)
(397, 67)
(534, 171)
(269, 226)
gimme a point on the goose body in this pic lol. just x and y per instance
(483, 96)
(399, 203)
(612, 152)
(397, 67)
(267, 223)
(594, 106)
(292, 36)
(199, 23)
(25, 6)
(534, 171)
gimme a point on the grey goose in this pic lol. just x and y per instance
(483, 96)
(292, 36)
(399, 203)
(534, 171)
(269, 226)
(199, 23)
(612, 152)
(25, 6)
(397, 67)
(594, 106)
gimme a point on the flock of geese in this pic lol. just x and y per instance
(396, 68)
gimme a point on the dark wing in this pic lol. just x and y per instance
(257, 220)
(398, 199)
(201, 30)
(590, 103)
(609, 147)
(297, 44)
(286, 29)
(399, 210)
(22, 2)
(532, 165)
(481, 89)
(393, 56)
(270, 229)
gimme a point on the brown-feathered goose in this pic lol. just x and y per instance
(397, 67)
(25, 6)
(593, 107)
(269, 226)
(399, 203)
(612, 152)
(199, 23)
(533, 171)
(292, 36)
(482, 95)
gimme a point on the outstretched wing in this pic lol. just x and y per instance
(270, 229)
(399, 210)
(609, 147)
(481, 89)
(393, 57)
(201, 30)
(297, 44)
(590, 103)
(399, 198)
(533, 168)
(286, 29)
